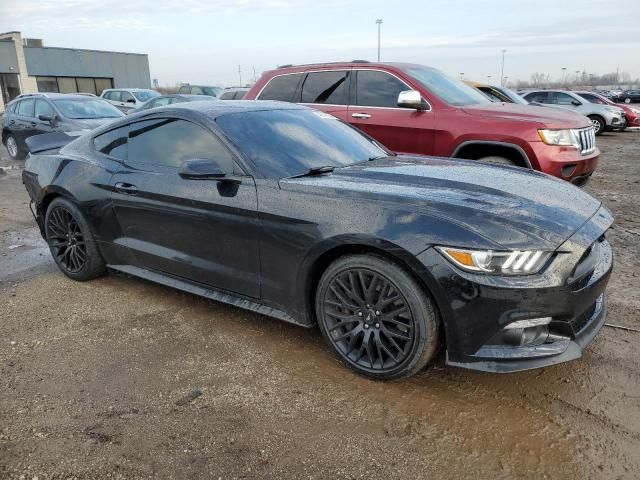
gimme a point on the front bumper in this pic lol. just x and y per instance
(478, 309)
(566, 163)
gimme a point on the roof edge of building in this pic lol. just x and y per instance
(88, 50)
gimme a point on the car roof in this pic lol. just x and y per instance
(54, 96)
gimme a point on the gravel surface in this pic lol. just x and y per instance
(122, 378)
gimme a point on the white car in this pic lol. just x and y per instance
(127, 98)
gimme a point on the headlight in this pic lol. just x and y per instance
(560, 137)
(517, 262)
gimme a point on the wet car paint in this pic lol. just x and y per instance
(280, 234)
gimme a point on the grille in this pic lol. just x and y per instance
(587, 139)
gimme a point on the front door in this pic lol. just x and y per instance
(374, 109)
(205, 231)
(46, 111)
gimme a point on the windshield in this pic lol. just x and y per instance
(212, 91)
(447, 88)
(144, 95)
(283, 143)
(89, 108)
(511, 95)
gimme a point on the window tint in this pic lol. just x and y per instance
(227, 96)
(281, 143)
(126, 96)
(196, 91)
(378, 89)
(159, 102)
(325, 87)
(592, 98)
(113, 143)
(184, 89)
(25, 107)
(43, 108)
(240, 94)
(169, 142)
(115, 96)
(540, 97)
(281, 88)
(560, 98)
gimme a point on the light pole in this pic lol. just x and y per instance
(504, 50)
(562, 81)
(379, 23)
(505, 81)
(488, 79)
(577, 77)
(461, 75)
(240, 74)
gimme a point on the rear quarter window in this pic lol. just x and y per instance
(281, 88)
(113, 143)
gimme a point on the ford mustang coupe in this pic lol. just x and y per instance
(289, 212)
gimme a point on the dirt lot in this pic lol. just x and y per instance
(122, 378)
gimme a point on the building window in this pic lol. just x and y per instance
(47, 84)
(74, 84)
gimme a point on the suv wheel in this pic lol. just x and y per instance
(71, 242)
(498, 160)
(376, 318)
(15, 152)
(598, 123)
(627, 100)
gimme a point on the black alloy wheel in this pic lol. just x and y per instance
(71, 242)
(376, 318)
(66, 240)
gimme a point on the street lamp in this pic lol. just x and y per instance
(562, 81)
(379, 23)
(488, 79)
(504, 50)
(505, 81)
(461, 75)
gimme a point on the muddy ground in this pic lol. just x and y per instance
(122, 378)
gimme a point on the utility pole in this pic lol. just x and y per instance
(240, 74)
(504, 50)
(379, 23)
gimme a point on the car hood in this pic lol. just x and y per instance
(506, 207)
(545, 116)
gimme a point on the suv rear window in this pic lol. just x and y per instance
(325, 87)
(184, 89)
(281, 88)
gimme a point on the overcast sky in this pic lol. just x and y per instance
(204, 41)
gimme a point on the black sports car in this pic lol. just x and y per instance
(292, 213)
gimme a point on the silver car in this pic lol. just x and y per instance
(128, 98)
(603, 117)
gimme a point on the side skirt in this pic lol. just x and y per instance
(207, 292)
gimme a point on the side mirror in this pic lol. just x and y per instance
(411, 99)
(131, 100)
(45, 118)
(201, 169)
(575, 103)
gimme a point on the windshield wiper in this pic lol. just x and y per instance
(377, 157)
(315, 171)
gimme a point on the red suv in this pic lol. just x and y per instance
(416, 109)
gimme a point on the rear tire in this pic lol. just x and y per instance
(598, 123)
(14, 150)
(498, 160)
(376, 318)
(71, 242)
(627, 100)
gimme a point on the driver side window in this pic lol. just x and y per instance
(170, 141)
(560, 98)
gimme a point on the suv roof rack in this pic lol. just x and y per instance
(289, 65)
(37, 94)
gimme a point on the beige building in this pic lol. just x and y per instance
(27, 66)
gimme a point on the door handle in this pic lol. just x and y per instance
(126, 188)
(360, 115)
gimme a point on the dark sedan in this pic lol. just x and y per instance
(38, 113)
(164, 100)
(292, 213)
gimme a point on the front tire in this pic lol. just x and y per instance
(498, 160)
(14, 150)
(598, 123)
(376, 317)
(71, 242)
